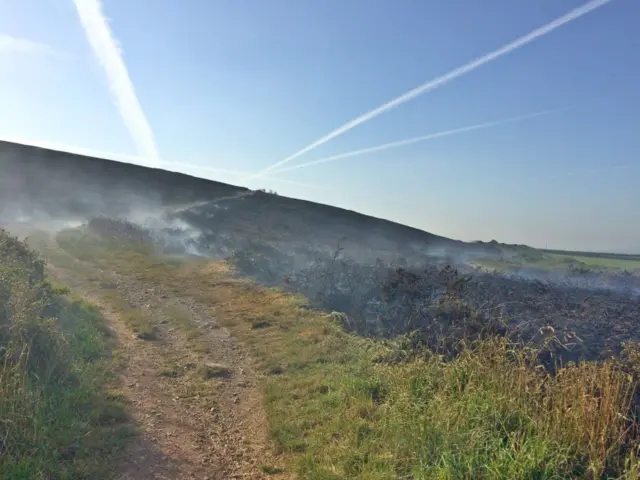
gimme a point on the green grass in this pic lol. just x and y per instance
(139, 322)
(487, 414)
(620, 256)
(136, 319)
(58, 416)
(338, 407)
(601, 262)
(556, 261)
(86, 245)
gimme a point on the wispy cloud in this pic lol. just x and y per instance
(23, 46)
(442, 80)
(423, 138)
(106, 49)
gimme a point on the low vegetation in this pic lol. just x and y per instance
(58, 416)
(473, 404)
(591, 312)
(546, 261)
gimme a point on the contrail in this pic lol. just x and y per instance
(433, 84)
(239, 173)
(106, 49)
(141, 161)
(423, 138)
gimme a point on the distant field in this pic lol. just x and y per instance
(630, 262)
(341, 406)
(617, 256)
(556, 260)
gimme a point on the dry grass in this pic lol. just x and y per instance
(337, 410)
(488, 414)
(182, 321)
(59, 417)
(136, 319)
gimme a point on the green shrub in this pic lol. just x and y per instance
(56, 419)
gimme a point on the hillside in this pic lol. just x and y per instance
(222, 377)
(41, 183)
(239, 334)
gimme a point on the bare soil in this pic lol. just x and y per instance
(191, 426)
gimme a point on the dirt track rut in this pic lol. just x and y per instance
(190, 426)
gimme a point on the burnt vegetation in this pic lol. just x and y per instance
(434, 304)
(567, 354)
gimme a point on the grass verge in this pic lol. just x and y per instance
(58, 416)
(339, 409)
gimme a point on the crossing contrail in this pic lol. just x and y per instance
(446, 78)
(423, 138)
(238, 173)
(138, 160)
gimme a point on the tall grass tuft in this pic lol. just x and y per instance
(57, 420)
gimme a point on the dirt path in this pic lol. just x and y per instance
(191, 389)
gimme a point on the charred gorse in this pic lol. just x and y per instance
(439, 304)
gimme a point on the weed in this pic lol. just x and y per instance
(214, 370)
(270, 470)
(140, 322)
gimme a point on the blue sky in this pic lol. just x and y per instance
(236, 86)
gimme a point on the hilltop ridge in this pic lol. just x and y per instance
(54, 183)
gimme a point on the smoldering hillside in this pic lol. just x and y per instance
(40, 184)
(387, 279)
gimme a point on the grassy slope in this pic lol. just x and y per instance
(62, 184)
(338, 410)
(57, 418)
(560, 261)
(632, 263)
(618, 256)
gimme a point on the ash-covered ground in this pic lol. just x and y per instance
(436, 297)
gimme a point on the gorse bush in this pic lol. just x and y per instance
(56, 420)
